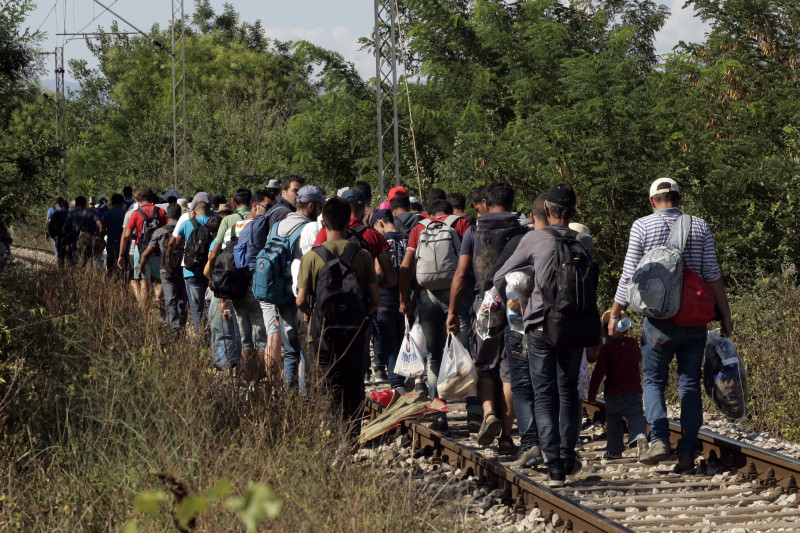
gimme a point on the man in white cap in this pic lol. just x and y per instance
(663, 340)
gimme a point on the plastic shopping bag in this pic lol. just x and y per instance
(409, 360)
(491, 316)
(518, 289)
(418, 336)
(724, 376)
(458, 377)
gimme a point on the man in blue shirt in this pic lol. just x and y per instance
(196, 282)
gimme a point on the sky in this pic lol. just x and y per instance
(332, 24)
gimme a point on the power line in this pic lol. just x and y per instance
(88, 23)
(47, 16)
(154, 41)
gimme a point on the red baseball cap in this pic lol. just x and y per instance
(395, 191)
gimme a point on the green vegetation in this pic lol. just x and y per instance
(105, 419)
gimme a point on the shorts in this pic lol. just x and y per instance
(151, 270)
(490, 357)
(271, 318)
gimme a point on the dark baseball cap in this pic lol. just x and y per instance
(380, 214)
(354, 197)
(561, 194)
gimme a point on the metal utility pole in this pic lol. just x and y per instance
(386, 91)
(61, 115)
(180, 159)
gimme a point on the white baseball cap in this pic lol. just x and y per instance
(660, 186)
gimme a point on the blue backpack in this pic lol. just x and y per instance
(252, 239)
(272, 279)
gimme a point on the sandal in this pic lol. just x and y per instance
(506, 446)
(490, 429)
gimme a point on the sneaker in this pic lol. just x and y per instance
(439, 424)
(400, 390)
(685, 464)
(380, 377)
(474, 422)
(611, 456)
(490, 429)
(576, 467)
(555, 479)
(419, 387)
(656, 452)
(641, 445)
(528, 458)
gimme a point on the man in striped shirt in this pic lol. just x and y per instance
(662, 340)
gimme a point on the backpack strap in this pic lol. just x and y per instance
(451, 219)
(324, 253)
(353, 247)
(359, 230)
(425, 222)
(679, 233)
(195, 223)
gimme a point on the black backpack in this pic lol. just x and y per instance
(227, 281)
(571, 317)
(150, 223)
(55, 225)
(195, 252)
(340, 303)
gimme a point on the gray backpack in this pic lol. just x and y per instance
(655, 287)
(437, 253)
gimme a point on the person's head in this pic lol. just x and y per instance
(145, 196)
(499, 196)
(436, 194)
(383, 221)
(440, 208)
(458, 201)
(261, 202)
(416, 204)
(364, 188)
(127, 191)
(213, 225)
(560, 203)
(80, 202)
(201, 208)
(274, 186)
(479, 200)
(290, 186)
(357, 202)
(58, 200)
(400, 203)
(243, 198)
(217, 200)
(310, 201)
(63, 204)
(174, 211)
(395, 191)
(538, 214)
(336, 215)
(664, 193)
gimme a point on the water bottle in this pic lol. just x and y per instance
(623, 325)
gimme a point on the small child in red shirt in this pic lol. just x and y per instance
(618, 361)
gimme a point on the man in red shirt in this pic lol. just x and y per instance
(434, 303)
(141, 286)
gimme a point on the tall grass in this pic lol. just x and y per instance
(97, 399)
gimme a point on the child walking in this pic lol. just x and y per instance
(618, 361)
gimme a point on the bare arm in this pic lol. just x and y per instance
(143, 260)
(212, 256)
(385, 267)
(405, 281)
(457, 287)
(721, 299)
(302, 303)
(123, 247)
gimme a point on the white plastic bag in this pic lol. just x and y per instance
(458, 377)
(518, 289)
(418, 336)
(491, 316)
(409, 361)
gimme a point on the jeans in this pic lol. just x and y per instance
(521, 370)
(555, 384)
(432, 309)
(196, 290)
(623, 405)
(292, 353)
(226, 347)
(251, 321)
(661, 340)
(175, 300)
(389, 328)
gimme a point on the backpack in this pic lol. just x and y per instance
(163, 242)
(437, 253)
(405, 222)
(195, 252)
(571, 317)
(150, 223)
(56, 223)
(491, 237)
(340, 303)
(253, 238)
(227, 280)
(724, 376)
(655, 287)
(272, 279)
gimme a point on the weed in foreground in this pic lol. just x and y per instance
(98, 399)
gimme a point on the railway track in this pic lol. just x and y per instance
(39, 256)
(735, 486)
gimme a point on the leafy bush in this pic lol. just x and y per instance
(99, 404)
